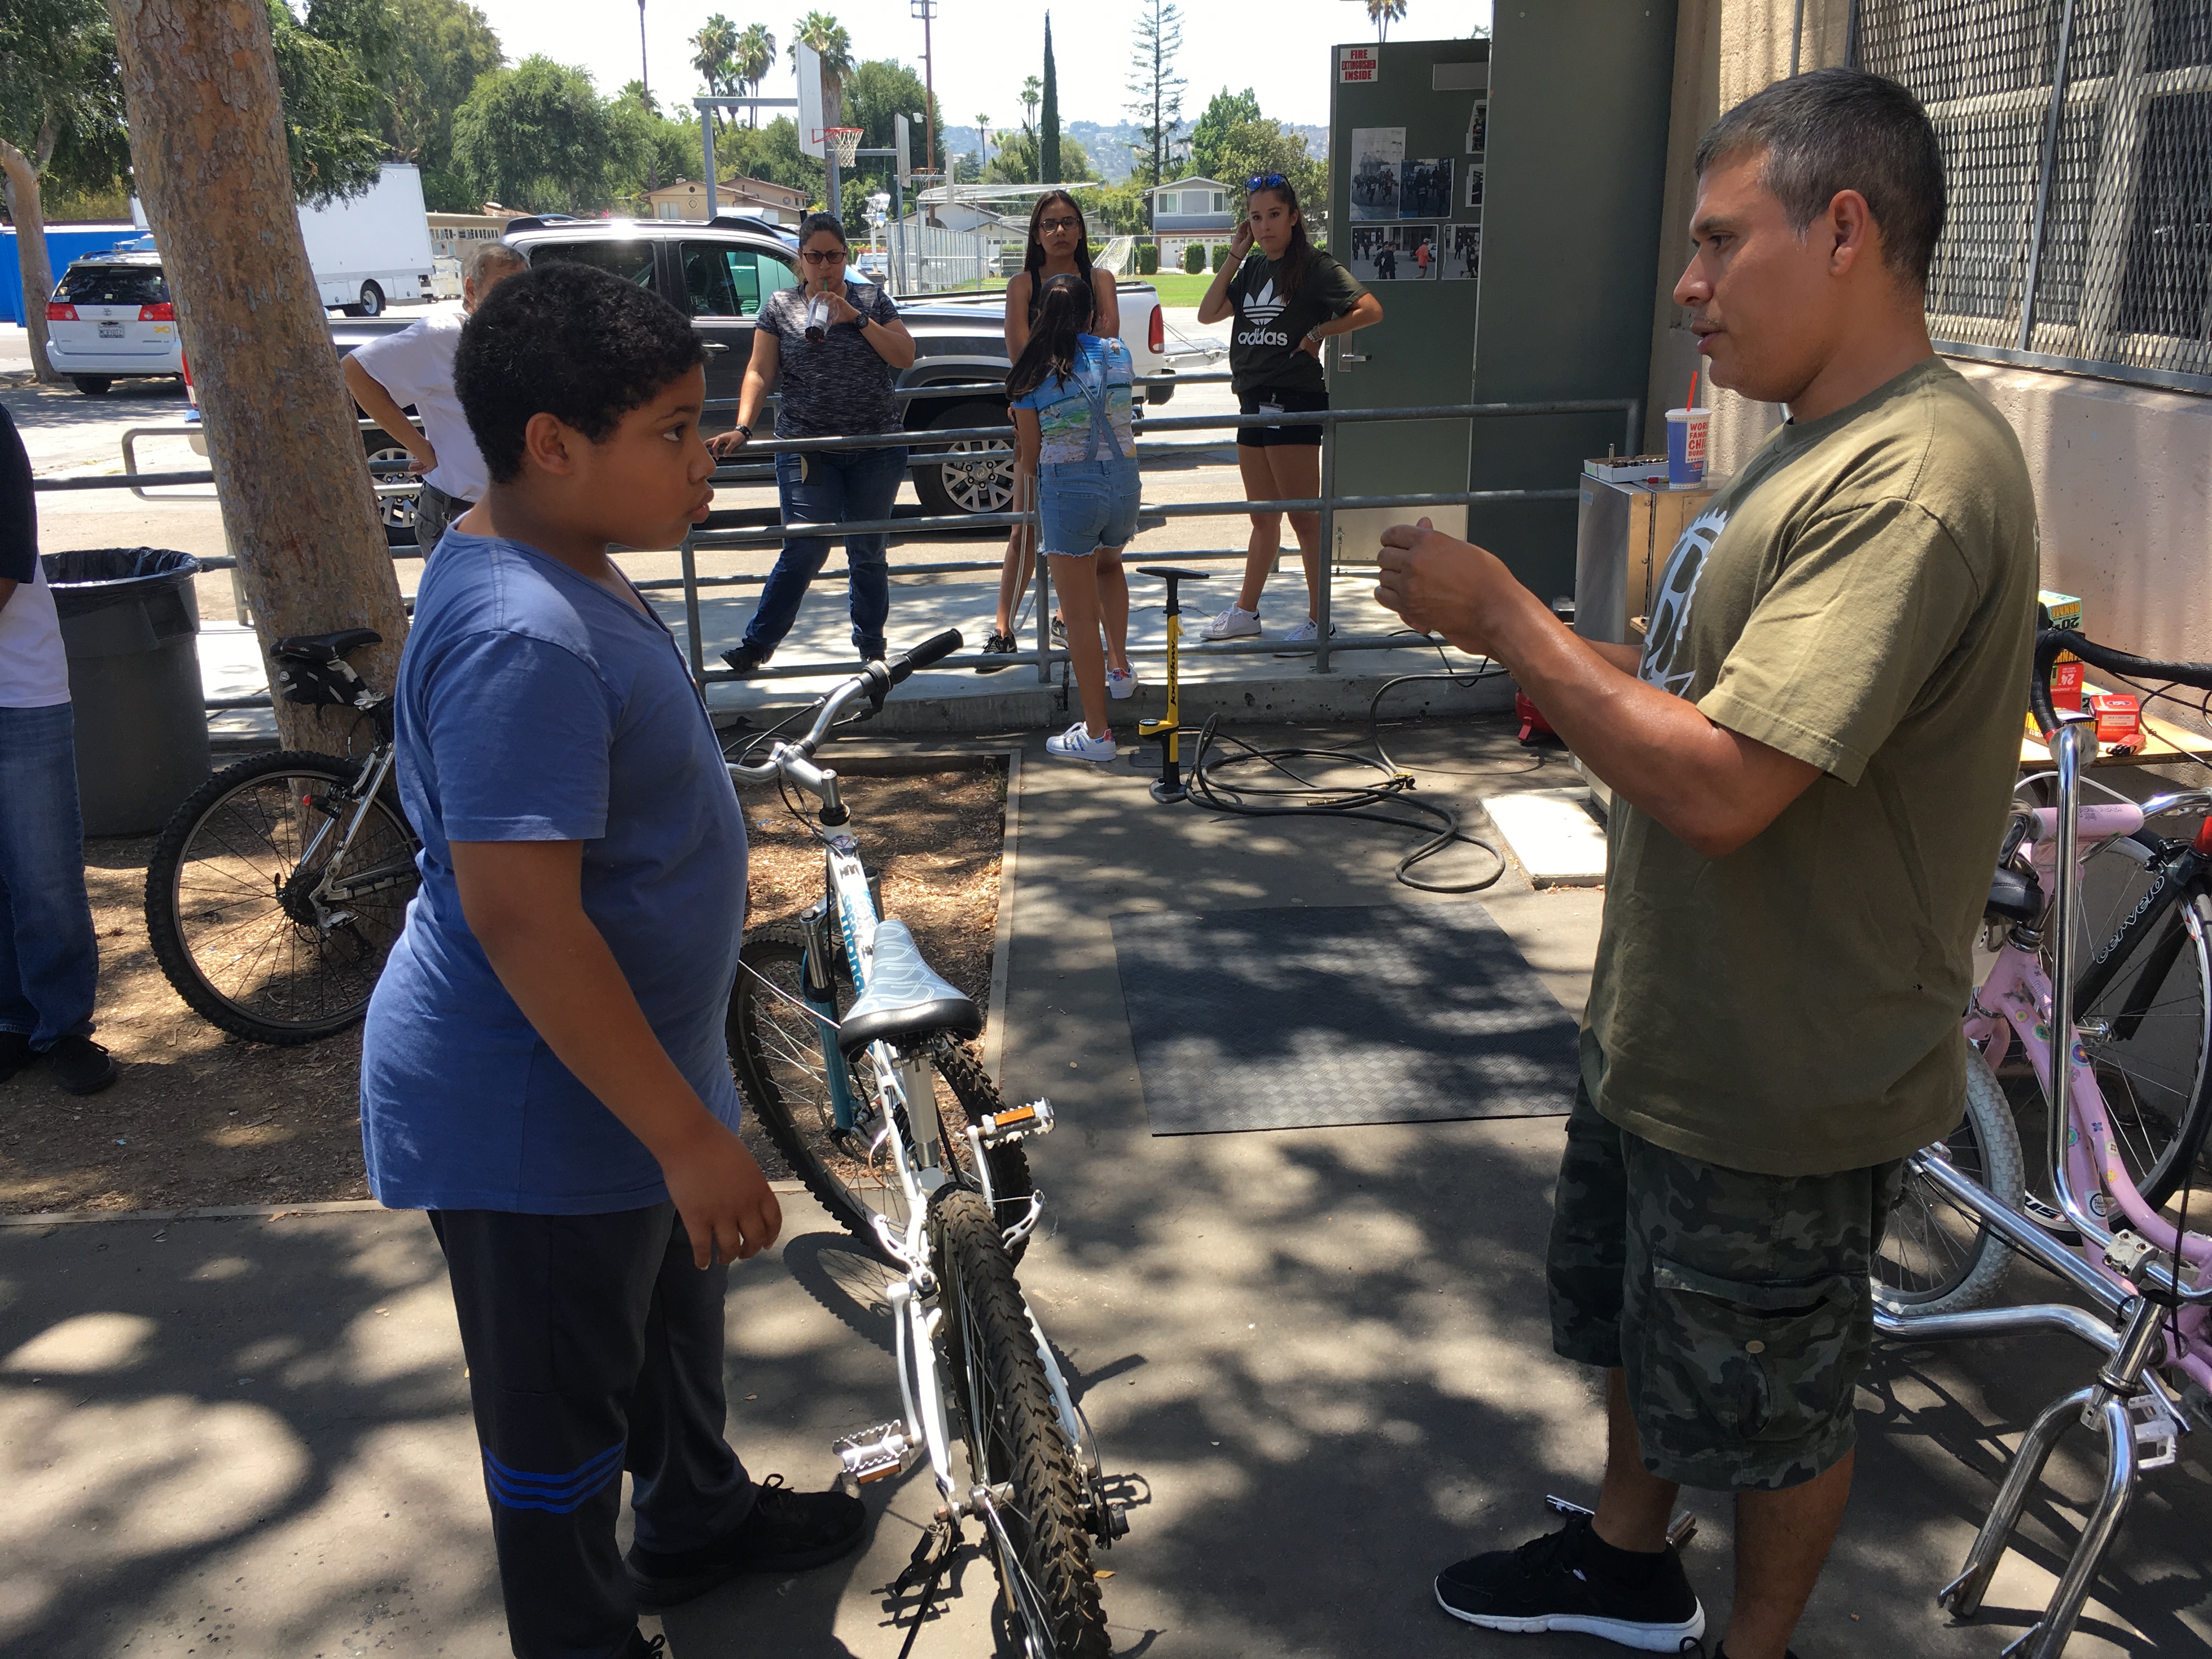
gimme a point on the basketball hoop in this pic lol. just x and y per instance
(843, 142)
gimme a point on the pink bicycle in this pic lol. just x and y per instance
(2116, 1057)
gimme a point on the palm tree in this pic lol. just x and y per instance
(983, 143)
(819, 30)
(1383, 13)
(753, 56)
(714, 44)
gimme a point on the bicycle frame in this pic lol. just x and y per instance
(904, 1082)
(2159, 1317)
(328, 891)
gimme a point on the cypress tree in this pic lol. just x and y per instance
(1048, 121)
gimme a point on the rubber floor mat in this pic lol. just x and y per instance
(1301, 1017)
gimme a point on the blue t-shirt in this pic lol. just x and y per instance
(535, 705)
(1066, 405)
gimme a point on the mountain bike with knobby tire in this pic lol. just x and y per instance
(857, 1059)
(278, 887)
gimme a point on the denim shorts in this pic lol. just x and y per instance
(1083, 506)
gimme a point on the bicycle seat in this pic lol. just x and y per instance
(1167, 572)
(904, 999)
(325, 647)
(2014, 896)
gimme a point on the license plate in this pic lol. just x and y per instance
(111, 330)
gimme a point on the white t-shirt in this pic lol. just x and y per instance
(416, 366)
(34, 671)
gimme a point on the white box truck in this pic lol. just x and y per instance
(369, 250)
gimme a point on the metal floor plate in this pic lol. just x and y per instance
(1306, 1017)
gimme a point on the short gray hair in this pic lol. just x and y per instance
(1834, 130)
(480, 254)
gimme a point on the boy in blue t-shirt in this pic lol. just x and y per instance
(543, 1066)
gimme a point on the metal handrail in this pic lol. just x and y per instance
(1327, 505)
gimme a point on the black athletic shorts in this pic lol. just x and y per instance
(1291, 400)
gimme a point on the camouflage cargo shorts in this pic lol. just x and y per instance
(1738, 1304)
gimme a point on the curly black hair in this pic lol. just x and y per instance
(570, 341)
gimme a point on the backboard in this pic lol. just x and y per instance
(903, 141)
(806, 63)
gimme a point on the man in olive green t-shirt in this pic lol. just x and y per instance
(1811, 757)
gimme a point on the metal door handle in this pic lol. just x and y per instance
(1352, 356)
(713, 346)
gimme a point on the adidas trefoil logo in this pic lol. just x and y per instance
(1262, 309)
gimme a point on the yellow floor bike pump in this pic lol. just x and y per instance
(1167, 788)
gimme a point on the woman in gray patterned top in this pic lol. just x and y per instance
(836, 345)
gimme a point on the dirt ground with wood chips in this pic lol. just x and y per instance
(202, 1118)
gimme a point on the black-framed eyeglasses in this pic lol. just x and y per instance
(1265, 181)
(821, 256)
(1058, 224)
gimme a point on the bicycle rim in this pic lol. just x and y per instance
(1936, 1256)
(253, 950)
(1014, 1443)
(2148, 1030)
(783, 1072)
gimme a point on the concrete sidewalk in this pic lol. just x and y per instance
(1323, 1354)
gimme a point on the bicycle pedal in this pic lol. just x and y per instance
(874, 1454)
(1016, 1124)
(2158, 1434)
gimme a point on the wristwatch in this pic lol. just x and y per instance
(1314, 335)
(745, 430)
(861, 321)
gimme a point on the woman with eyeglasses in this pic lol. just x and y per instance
(1059, 245)
(836, 345)
(1287, 296)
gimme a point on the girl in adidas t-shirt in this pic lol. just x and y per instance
(1287, 298)
(1069, 393)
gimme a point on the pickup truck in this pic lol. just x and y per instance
(719, 273)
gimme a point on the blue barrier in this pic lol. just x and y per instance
(64, 242)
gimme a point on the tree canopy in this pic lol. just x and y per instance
(61, 98)
(1156, 89)
(1226, 111)
(538, 136)
(1049, 160)
(445, 47)
(334, 116)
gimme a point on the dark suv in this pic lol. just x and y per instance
(719, 274)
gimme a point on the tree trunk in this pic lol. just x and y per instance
(207, 142)
(29, 211)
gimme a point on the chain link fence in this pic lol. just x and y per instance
(2077, 139)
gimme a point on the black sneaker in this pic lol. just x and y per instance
(15, 1053)
(787, 1531)
(1721, 1652)
(1059, 629)
(998, 644)
(80, 1066)
(745, 658)
(1546, 1585)
(641, 1646)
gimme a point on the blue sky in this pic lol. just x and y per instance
(983, 48)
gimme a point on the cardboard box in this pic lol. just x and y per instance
(2119, 720)
(2064, 610)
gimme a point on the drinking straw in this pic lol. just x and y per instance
(1692, 401)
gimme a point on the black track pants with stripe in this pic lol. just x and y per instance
(595, 1346)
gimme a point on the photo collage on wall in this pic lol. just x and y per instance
(1417, 218)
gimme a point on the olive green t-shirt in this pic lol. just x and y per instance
(1861, 596)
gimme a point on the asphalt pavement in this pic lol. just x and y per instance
(1320, 1357)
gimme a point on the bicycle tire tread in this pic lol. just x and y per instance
(1044, 1477)
(164, 927)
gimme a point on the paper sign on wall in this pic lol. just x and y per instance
(1357, 63)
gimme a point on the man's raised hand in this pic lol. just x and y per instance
(1443, 585)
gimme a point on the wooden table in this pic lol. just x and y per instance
(2163, 743)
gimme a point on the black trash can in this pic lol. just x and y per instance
(131, 625)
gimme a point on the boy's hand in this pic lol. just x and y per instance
(723, 1197)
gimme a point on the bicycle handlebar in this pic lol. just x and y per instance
(872, 682)
(2053, 641)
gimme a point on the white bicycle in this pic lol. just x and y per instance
(856, 1057)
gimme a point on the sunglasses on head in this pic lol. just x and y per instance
(1265, 181)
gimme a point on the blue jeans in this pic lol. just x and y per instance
(49, 959)
(830, 488)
